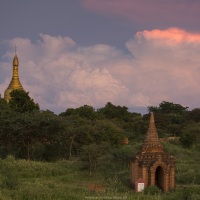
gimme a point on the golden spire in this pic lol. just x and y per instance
(152, 143)
(15, 49)
(15, 82)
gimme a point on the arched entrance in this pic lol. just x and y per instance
(159, 177)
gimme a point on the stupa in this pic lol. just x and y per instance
(15, 82)
(152, 163)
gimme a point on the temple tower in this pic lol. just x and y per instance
(15, 82)
(152, 163)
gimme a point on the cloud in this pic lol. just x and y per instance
(161, 65)
(150, 13)
(168, 62)
(60, 74)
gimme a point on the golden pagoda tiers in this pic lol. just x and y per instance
(152, 164)
(15, 82)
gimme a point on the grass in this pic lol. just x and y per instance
(30, 180)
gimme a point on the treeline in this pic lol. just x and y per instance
(30, 133)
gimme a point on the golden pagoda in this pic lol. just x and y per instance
(152, 163)
(15, 82)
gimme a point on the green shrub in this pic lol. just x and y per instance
(10, 180)
(152, 190)
(197, 147)
(187, 140)
(9, 174)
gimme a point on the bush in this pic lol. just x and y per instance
(9, 174)
(187, 140)
(197, 147)
(152, 190)
(124, 153)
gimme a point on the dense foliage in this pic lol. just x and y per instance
(100, 142)
(30, 133)
(21, 102)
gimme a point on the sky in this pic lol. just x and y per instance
(133, 53)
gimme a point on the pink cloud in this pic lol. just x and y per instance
(155, 11)
(172, 34)
(171, 42)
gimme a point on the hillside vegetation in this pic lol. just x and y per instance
(69, 179)
(84, 153)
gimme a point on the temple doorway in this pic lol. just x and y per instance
(159, 177)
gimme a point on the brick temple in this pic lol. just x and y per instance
(152, 163)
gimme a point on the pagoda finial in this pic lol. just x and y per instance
(152, 142)
(152, 132)
(15, 49)
(152, 118)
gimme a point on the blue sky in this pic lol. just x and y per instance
(129, 52)
(66, 18)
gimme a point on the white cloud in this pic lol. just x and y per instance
(161, 65)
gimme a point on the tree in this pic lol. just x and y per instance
(28, 131)
(68, 112)
(187, 140)
(190, 135)
(194, 115)
(34, 128)
(168, 107)
(21, 102)
(106, 131)
(4, 106)
(111, 111)
(76, 133)
(91, 154)
(85, 111)
(7, 132)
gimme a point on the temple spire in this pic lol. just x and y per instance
(15, 49)
(152, 132)
(15, 82)
(152, 143)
